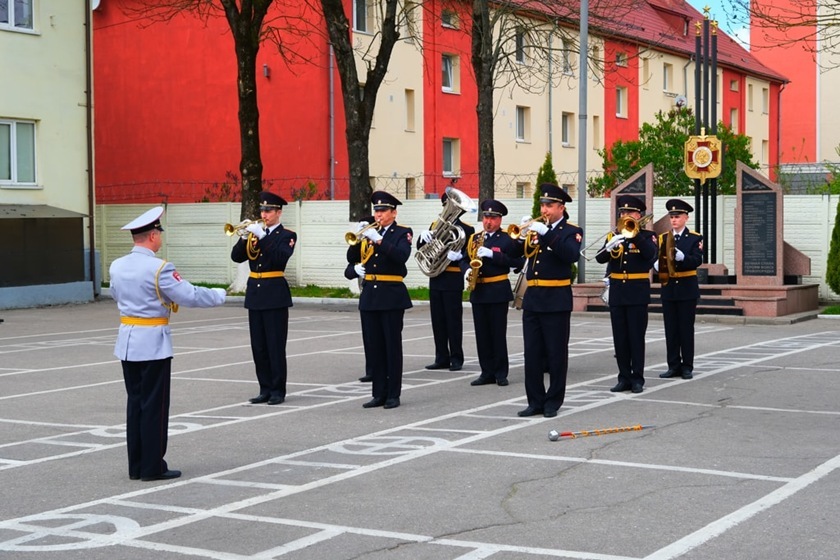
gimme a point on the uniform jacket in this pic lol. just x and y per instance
(558, 250)
(133, 287)
(636, 256)
(450, 281)
(276, 249)
(691, 244)
(504, 258)
(388, 258)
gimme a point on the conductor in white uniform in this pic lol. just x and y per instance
(147, 290)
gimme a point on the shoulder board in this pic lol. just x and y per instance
(573, 225)
(694, 232)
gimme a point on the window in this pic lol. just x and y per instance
(621, 102)
(667, 77)
(596, 132)
(645, 72)
(567, 65)
(765, 101)
(17, 152)
(523, 124)
(571, 189)
(361, 16)
(765, 152)
(412, 12)
(621, 59)
(733, 120)
(523, 190)
(567, 129)
(520, 47)
(449, 68)
(451, 157)
(734, 85)
(749, 97)
(448, 18)
(16, 14)
(409, 110)
(411, 188)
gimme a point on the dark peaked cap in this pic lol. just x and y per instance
(382, 200)
(631, 203)
(271, 200)
(492, 207)
(553, 193)
(677, 206)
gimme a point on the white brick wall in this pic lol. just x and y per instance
(196, 243)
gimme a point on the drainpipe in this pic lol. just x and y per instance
(89, 126)
(332, 123)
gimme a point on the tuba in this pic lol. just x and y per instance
(446, 236)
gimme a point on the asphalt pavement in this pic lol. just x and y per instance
(741, 462)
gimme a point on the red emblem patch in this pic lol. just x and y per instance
(291, 242)
(409, 237)
(497, 249)
(700, 245)
(578, 237)
(176, 276)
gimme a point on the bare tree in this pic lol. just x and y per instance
(811, 25)
(360, 101)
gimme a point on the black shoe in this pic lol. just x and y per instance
(502, 382)
(481, 381)
(366, 378)
(259, 399)
(392, 403)
(620, 386)
(530, 411)
(372, 403)
(670, 373)
(437, 366)
(162, 476)
(134, 477)
(637, 388)
(549, 413)
(276, 400)
(456, 367)
(687, 373)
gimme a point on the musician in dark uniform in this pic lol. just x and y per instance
(547, 305)
(629, 260)
(445, 303)
(492, 294)
(147, 290)
(267, 295)
(380, 260)
(350, 274)
(681, 292)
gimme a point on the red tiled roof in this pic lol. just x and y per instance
(658, 24)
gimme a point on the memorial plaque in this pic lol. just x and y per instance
(758, 249)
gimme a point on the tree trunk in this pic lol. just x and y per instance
(483, 68)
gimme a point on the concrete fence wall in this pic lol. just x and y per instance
(196, 243)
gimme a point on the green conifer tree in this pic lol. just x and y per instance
(546, 174)
(832, 268)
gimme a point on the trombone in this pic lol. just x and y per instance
(240, 229)
(627, 226)
(352, 238)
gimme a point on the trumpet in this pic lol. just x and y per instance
(240, 228)
(627, 226)
(514, 230)
(352, 238)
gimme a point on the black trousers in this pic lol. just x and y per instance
(448, 326)
(147, 415)
(546, 338)
(679, 332)
(490, 323)
(384, 350)
(269, 331)
(629, 325)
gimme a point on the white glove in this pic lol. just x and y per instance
(425, 236)
(256, 229)
(360, 226)
(680, 256)
(539, 227)
(360, 270)
(484, 252)
(221, 293)
(454, 255)
(614, 242)
(523, 228)
(606, 281)
(656, 265)
(373, 235)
